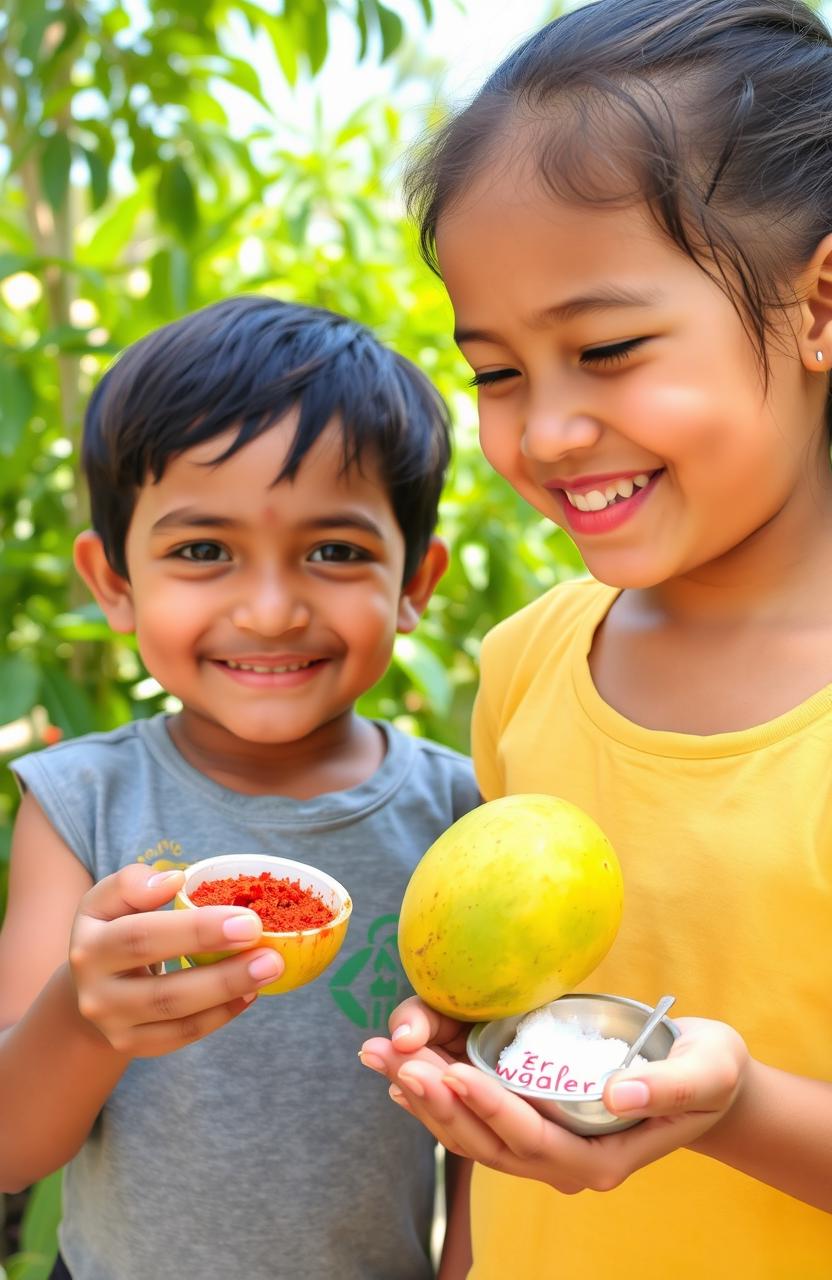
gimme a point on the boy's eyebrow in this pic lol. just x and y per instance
(601, 300)
(191, 517)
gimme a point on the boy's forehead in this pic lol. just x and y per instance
(245, 485)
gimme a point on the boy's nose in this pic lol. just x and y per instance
(269, 608)
(548, 434)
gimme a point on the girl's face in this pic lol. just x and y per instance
(618, 390)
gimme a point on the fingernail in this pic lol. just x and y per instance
(371, 1060)
(160, 877)
(266, 965)
(412, 1083)
(397, 1096)
(242, 927)
(629, 1095)
(456, 1086)
(400, 1032)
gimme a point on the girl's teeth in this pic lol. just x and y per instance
(595, 500)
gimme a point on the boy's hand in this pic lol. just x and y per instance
(118, 943)
(472, 1115)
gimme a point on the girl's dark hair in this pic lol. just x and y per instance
(718, 113)
(242, 364)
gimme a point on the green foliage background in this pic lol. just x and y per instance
(129, 197)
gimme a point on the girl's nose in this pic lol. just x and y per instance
(549, 434)
(270, 607)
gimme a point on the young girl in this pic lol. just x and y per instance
(633, 219)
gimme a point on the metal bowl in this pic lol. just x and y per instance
(611, 1016)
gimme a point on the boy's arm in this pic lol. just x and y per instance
(457, 1257)
(81, 992)
(56, 1069)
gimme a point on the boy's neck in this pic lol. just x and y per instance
(340, 754)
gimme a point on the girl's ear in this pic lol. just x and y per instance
(112, 592)
(418, 591)
(815, 337)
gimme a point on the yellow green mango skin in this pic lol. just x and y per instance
(511, 907)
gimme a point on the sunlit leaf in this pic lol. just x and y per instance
(425, 670)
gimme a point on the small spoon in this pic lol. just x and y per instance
(653, 1020)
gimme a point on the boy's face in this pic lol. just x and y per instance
(267, 609)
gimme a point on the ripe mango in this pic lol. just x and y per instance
(510, 908)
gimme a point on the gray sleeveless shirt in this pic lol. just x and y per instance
(265, 1151)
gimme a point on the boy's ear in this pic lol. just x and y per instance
(816, 309)
(418, 591)
(112, 592)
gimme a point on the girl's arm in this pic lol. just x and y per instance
(78, 999)
(708, 1095)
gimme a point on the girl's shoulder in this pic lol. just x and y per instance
(560, 611)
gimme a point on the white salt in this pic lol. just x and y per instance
(558, 1055)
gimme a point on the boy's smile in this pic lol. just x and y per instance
(267, 609)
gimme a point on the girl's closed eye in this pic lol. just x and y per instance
(611, 353)
(489, 376)
(338, 553)
(204, 552)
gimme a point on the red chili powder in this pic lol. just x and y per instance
(282, 905)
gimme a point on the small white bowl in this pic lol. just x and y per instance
(612, 1017)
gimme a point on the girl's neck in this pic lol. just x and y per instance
(778, 575)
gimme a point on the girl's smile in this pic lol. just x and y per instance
(619, 391)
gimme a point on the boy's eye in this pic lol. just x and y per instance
(490, 376)
(613, 353)
(337, 553)
(202, 553)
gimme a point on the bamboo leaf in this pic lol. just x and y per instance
(55, 164)
(19, 687)
(392, 31)
(176, 199)
(16, 404)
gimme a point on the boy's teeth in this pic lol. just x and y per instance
(596, 500)
(261, 670)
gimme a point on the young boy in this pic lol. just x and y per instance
(264, 481)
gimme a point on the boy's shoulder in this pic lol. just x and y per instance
(431, 769)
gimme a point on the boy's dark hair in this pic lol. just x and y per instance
(717, 112)
(243, 363)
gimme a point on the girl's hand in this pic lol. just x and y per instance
(119, 942)
(472, 1115)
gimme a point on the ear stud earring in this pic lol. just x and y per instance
(819, 357)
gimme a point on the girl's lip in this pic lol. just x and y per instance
(581, 484)
(611, 517)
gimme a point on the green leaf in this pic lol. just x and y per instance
(16, 404)
(43, 1212)
(170, 281)
(11, 263)
(66, 703)
(425, 671)
(176, 199)
(317, 37)
(392, 31)
(55, 164)
(19, 687)
(99, 178)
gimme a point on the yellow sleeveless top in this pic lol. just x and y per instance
(725, 844)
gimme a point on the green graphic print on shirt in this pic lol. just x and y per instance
(371, 982)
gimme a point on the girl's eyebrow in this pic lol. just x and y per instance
(605, 299)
